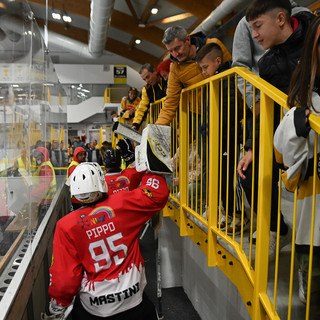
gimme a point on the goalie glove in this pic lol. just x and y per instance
(59, 316)
(126, 150)
(54, 311)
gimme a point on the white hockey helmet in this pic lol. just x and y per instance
(87, 182)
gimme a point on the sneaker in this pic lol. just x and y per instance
(302, 296)
(223, 220)
(283, 241)
(236, 225)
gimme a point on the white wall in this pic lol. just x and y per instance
(85, 109)
(212, 294)
(94, 73)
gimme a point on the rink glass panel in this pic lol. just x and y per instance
(32, 109)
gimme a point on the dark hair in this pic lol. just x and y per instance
(303, 77)
(210, 48)
(133, 89)
(147, 66)
(259, 7)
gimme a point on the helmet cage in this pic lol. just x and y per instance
(86, 180)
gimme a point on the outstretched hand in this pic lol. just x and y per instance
(244, 163)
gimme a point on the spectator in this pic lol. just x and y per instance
(40, 143)
(294, 148)
(247, 51)
(22, 162)
(103, 270)
(57, 157)
(154, 89)
(210, 61)
(79, 156)
(70, 151)
(77, 143)
(45, 186)
(114, 116)
(163, 69)
(65, 163)
(274, 29)
(96, 145)
(93, 154)
(48, 147)
(129, 105)
(105, 146)
(183, 69)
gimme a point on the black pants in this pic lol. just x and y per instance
(144, 311)
(231, 190)
(247, 187)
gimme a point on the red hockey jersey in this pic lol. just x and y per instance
(127, 180)
(96, 251)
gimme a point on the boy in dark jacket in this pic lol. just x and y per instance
(210, 60)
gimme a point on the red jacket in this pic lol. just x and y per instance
(75, 161)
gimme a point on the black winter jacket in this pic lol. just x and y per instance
(278, 63)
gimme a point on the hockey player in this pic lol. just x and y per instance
(117, 179)
(96, 255)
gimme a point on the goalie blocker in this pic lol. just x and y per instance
(153, 153)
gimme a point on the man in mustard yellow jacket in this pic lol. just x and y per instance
(184, 70)
(155, 89)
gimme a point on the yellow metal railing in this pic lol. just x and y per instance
(197, 204)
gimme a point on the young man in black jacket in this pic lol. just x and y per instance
(275, 29)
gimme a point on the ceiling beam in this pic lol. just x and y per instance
(177, 17)
(314, 6)
(146, 13)
(131, 8)
(132, 43)
(72, 32)
(134, 54)
(112, 45)
(200, 8)
(152, 34)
